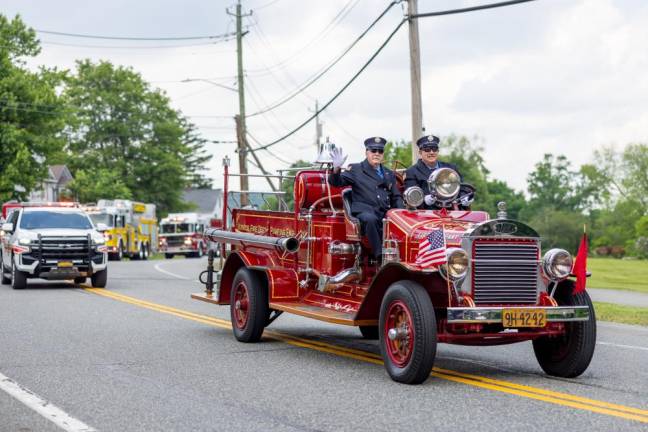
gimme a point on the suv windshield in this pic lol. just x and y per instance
(52, 219)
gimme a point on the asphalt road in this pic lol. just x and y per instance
(142, 356)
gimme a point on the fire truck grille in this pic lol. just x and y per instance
(175, 241)
(505, 273)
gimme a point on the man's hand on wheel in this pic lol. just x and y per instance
(338, 157)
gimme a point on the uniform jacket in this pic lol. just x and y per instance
(370, 193)
(418, 174)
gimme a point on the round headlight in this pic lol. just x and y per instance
(557, 264)
(457, 263)
(413, 196)
(445, 182)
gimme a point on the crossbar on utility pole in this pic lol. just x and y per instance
(415, 77)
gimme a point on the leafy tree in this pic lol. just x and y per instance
(498, 191)
(196, 157)
(122, 126)
(558, 228)
(91, 185)
(554, 185)
(31, 113)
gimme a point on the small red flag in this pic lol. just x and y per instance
(580, 266)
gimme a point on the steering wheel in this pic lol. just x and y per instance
(335, 199)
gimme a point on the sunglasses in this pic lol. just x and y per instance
(430, 149)
(381, 151)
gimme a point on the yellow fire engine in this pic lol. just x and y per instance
(129, 227)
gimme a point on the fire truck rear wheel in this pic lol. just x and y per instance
(99, 279)
(408, 333)
(168, 256)
(145, 251)
(248, 305)
(369, 332)
(569, 355)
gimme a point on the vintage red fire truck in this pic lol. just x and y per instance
(493, 287)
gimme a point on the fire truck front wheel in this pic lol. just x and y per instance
(408, 333)
(569, 354)
(248, 305)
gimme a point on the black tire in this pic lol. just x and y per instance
(168, 256)
(369, 332)
(145, 251)
(6, 280)
(18, 278)
(568, 355)
(408, 299)
(99, 279)
(255, 310)
(200, 251)
(79, 280)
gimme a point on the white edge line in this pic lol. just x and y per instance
(623, 346)
(157, 267)
(43, 407)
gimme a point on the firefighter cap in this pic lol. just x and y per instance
(428, 141)
(375, 143)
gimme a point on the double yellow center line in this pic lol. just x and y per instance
(540, 394)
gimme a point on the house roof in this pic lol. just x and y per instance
(61, 174)
(206, 200)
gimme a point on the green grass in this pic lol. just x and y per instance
(611, 273)
(621, 314)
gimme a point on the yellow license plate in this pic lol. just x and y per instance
(518, 317)
(64, 264)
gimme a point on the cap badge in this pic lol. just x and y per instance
(430, 138)
(376, 140)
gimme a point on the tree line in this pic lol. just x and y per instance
(119, 136)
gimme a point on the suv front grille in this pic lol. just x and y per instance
(505, 272)
(62, 248)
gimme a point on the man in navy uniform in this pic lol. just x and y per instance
(419, 173)
(374, 189)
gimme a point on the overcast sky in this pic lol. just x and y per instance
(550, 76)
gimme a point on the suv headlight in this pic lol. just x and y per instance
(24, 241)
(457, 264)
(99, 241)
(445, 182)
(557, 264)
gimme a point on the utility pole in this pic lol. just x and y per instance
(241, 131)
(415, 77)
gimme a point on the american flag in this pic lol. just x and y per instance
(432, 249)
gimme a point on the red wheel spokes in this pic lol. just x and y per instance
(241, 304)
(399, 333)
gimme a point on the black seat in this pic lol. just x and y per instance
(356, 227)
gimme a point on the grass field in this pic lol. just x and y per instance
(631, 275)
(621, 314)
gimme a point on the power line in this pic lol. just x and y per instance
(470, 9)
(339, 92)
(265, 5)
(139, 47)
(346, 9)
(87, 36)
(313, 79)
(424, 15)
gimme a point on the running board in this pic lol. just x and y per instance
(322, 314)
